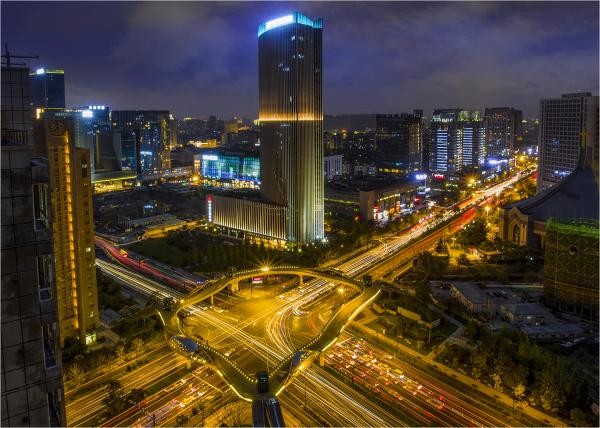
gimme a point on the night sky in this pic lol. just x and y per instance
(201, 58)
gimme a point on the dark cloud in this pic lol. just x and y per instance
(201, 58)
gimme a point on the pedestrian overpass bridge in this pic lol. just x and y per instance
(266, 411)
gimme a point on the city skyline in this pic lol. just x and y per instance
(423, 55)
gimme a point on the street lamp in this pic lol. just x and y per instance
(487, 211)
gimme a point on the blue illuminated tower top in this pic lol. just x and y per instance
(293, 18)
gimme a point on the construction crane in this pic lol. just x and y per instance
(6, 57)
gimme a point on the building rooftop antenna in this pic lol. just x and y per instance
(6, 57)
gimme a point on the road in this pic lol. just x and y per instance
(344, 405)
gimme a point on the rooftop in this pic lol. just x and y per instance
(292, 18)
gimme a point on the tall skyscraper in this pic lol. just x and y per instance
(290, 67)
(145, 138)
(501, 126)
(32, 386)
(73, 232)
(564, 123)
(47, 89)
(457, 138)
(399, 143)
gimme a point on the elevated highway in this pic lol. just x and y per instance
(265, 405)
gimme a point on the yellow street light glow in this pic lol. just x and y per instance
(265, 268)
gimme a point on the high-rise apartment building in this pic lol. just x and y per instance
(564, 123)
(399, 143)
(16, 107)
(47, 89)
(32, 385)
(501, 126)
(146, 138)
(457, 138)
(73, 232)
(291, 121)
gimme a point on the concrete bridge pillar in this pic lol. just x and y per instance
(234, 286)
(188, 364)
(212, 299)
(322, 359)
(301, 280)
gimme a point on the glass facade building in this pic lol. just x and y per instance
(230, 167)
(457, 141)
(146, 138)
(501, 127)
(399, 142)
(564, 123)
(291, 121)
(47, 89)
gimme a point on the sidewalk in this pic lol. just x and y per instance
(505, 399)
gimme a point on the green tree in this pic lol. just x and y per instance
(119, 351)
(463, 260)
(136, 396)
(115, 399)
(518, 394)
(137, 344)
(579, 417)
(474, 233)
(75, 374)
(497, 381)
(181, 420)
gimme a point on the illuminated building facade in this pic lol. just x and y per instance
(501, 126)
(73, 233)
(291, 121)
(47, 89)
(231, 169)
(255, 217)
(146, 138)
(564, 122)
(399, 143)
(457, 138)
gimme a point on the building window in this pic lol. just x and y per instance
(517, 233)
(45, 277)
(84, 168)
(54, 399)
(49, 333)
(40, 206)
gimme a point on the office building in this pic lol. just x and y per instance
(457, 141)
(145, 139)
(399, 143)
(291, 137)
(47, 89)
(291, 121)
(91, 130)
(73, 232)
(564, 123)
(32, 379)
(502, 125)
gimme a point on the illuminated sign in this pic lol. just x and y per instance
(210, 157)
(87, 113)
(257, 280)
(40, 71)
(421, 176)
(209, 203)
(438, 176)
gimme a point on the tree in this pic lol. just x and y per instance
(180, 420)
(76, 374)
(579, 417)
(136, 396)
(518, 394)
(114, 401)
(497, 381)
(119, 351)
(474, 233)
(137, 345)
